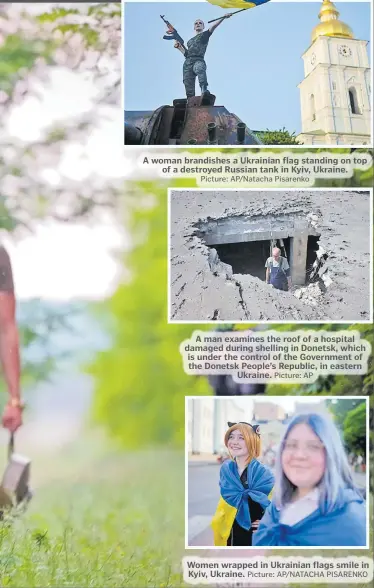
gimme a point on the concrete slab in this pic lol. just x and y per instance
(341, 217)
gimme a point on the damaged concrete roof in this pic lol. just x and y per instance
(343, 223)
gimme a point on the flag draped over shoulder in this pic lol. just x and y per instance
(344, 526)
(238, 3)
(233, 503)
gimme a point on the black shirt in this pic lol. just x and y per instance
(6, 276)
(239, 536)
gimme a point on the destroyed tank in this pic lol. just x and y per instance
(192, 121)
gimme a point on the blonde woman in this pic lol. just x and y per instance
(245, 485)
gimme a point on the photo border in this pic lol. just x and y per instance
(272, 547)
(268, 322)
(195, 147)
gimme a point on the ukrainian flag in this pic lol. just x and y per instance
(238, 3)
(233, 503)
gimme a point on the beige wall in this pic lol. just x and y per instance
(326, 115)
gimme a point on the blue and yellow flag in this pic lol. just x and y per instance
(344, 525)
(238, 3)
(233, 503)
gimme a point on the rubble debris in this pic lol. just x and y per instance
(202, 286)
(309, 294)
(218, 267)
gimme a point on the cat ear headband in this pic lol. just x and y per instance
(256, 428)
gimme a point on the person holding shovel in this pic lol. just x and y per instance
(14, 486)
(9, 345)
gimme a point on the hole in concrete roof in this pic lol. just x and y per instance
(248, 258)
(243, 244)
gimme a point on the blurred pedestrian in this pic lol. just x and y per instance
(9, 345)
(315, 501)
(245, 485)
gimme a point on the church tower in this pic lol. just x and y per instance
(335, 92)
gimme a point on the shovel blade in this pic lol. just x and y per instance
(5, 499)
(16, 477)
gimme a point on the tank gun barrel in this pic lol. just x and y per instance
(240, 133)
(212, 133)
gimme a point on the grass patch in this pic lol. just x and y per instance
(100, 517)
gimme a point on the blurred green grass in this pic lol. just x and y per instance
(104, 517)
(99, 517)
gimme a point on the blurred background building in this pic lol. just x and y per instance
(268, 411)
(207, 422)
(207, 419)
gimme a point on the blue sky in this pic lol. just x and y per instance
(254, 59)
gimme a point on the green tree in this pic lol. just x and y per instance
(359, 179)
(281, 137)
(333, 384)
(32, 44)
(354, 429)
(87, 38)
(140, 382)
(341, 407)
(143, 340)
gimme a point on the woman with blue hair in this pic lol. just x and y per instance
(315, 501)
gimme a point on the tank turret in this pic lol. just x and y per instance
(192, 121)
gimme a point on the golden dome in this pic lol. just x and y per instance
(330, 25)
